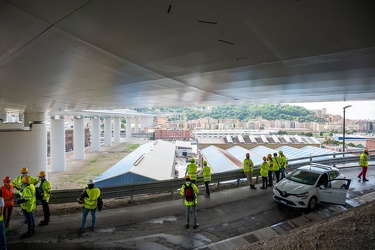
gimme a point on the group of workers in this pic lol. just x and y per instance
(23, 190)
(270, 168)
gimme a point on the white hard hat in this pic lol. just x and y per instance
(90, 182)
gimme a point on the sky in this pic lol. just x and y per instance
(364, 110)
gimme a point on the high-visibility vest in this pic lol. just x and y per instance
(17, 182)
(363, 160)
(207, 173)
(7, 195)
(28, 194)
(264, 169)
(247, 165)
(270, 165)
(195, 190)
(91, 202)
(276, 163)
(282, 161)
(192, 171)
(46, 186)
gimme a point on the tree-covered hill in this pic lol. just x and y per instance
(245, 112)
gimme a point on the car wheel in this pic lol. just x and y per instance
(312, 203)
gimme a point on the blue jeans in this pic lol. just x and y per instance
(85, 212)
(282, 171)
(3, 239)
(30, 221)
(188, 215)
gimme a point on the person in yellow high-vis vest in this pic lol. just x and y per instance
(276, 166)
(3, 238)
(248, 170)
(28, 205)
(44, 194)
(191, 170)
(89, 199)
(206, 177)
(264, 173)
(363, 162)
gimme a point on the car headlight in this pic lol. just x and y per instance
(303, 195)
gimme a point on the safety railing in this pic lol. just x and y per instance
(173, 185)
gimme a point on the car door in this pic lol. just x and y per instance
(334, 195)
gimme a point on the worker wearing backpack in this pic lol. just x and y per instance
(190, 193)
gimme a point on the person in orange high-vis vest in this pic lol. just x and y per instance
(6, 192)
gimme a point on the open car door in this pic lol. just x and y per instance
(335, 194)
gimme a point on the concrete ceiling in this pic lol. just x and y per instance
(110, 54)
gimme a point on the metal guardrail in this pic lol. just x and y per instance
(171, 186)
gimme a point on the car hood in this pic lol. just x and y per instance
(293, 187)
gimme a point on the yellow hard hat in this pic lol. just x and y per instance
(25, 179)
(24, 170)
(187, 177)
(42, 174)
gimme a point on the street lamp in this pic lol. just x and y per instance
(343, 129)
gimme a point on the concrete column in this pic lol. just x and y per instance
(95, 134)
(79, 138)
(20, 148)
(57, 144)
(142, 124)
(108, 131)
(116, 130)
(136, 124)
(128, 127)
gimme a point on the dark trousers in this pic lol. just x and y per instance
(30, 221)
(264, 182)
(7, 215)
(207, 187)
(270, 178)
(277, 173)
(46, 211)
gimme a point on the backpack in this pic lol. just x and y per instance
(100, 204)
(189, 193)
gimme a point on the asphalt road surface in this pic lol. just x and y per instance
(161, 225)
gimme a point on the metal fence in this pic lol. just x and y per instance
(171, 186)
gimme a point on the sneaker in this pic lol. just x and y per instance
(43, 223)
(253, 187)
(196, 226)
(187, 225)
(92, 228)
(26, 235)
(81, 229)
(262, 188)
(359, 177)
(364, 179)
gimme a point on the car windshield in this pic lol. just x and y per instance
(305, 177)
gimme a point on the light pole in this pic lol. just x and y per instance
(343, 129)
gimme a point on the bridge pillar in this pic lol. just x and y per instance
(116, 130)
(57, 144)
(108, 131)
(79, 138)
(128, 127)
(95, 134)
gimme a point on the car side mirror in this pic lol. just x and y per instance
(322, 187)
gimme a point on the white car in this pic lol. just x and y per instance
(306, 186)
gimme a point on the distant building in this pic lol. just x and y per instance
(172, 135)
